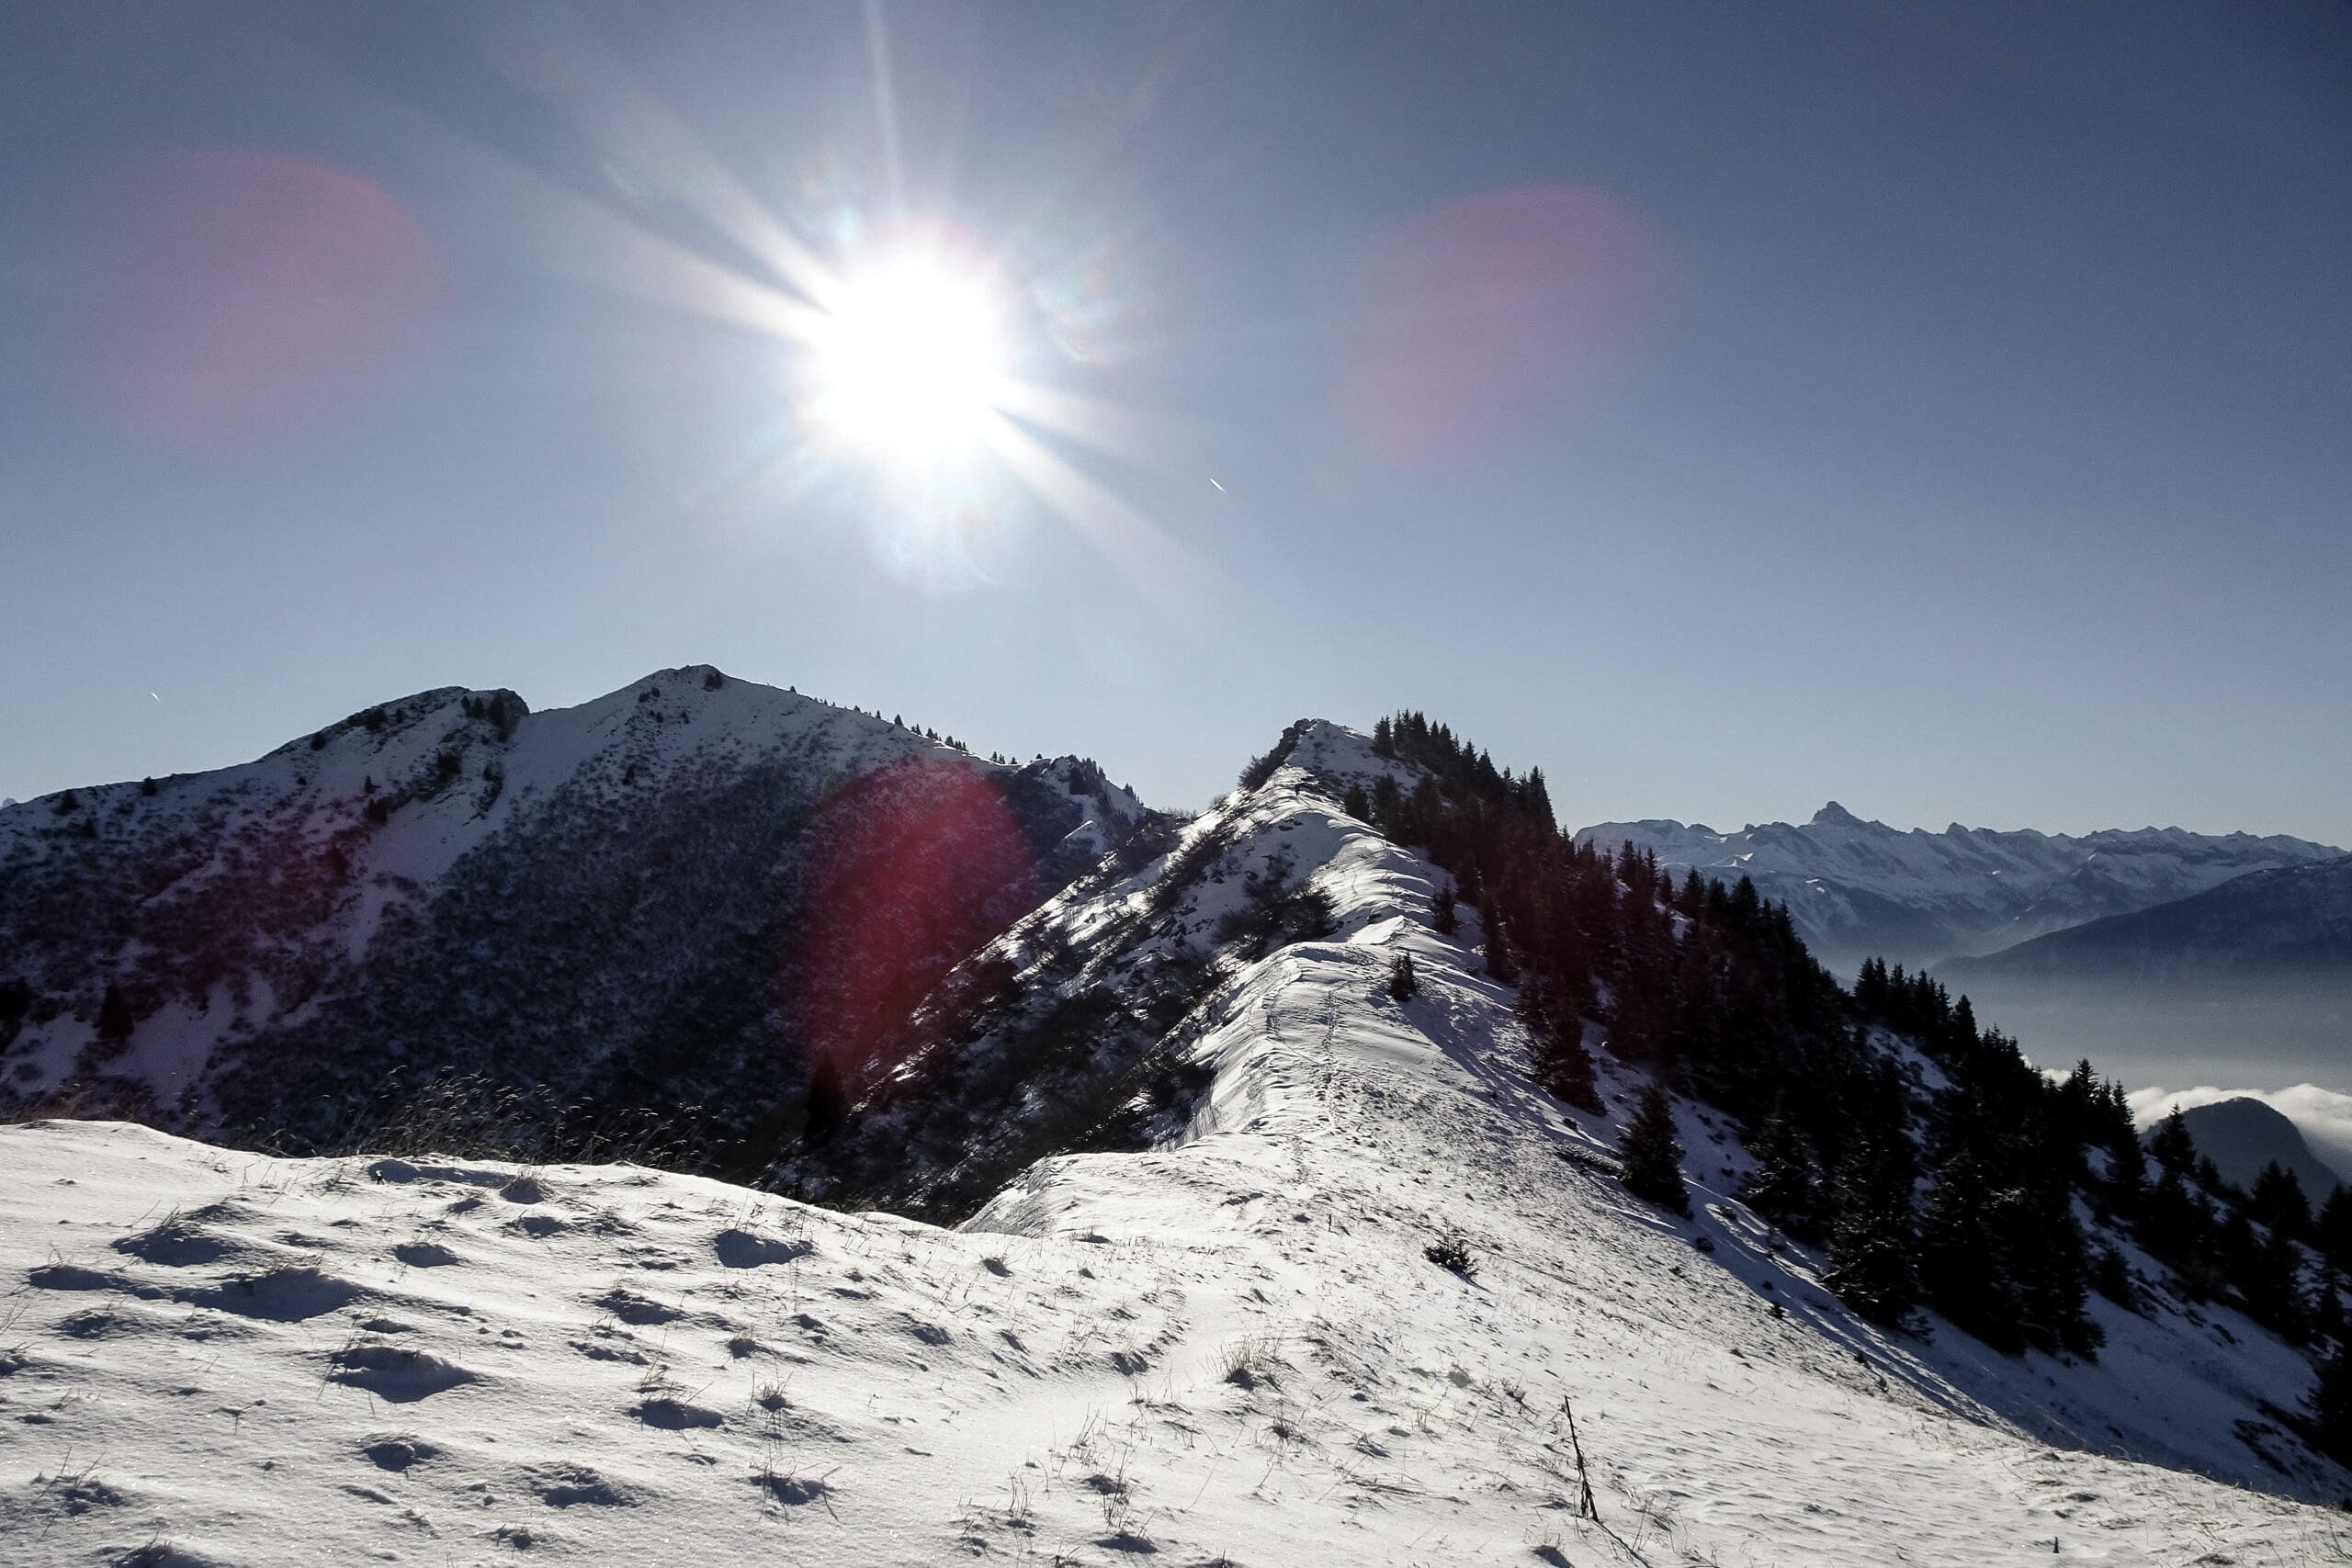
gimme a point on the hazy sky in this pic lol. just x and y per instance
(1944, 408)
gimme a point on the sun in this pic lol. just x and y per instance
(908, 362)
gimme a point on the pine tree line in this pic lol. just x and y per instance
(1948, 1173)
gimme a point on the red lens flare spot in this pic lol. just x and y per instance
(235, 294)
(1470, 316)
(917, 865)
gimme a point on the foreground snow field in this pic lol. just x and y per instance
(1231, 1349)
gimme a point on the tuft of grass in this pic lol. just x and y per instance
(1250, 1362)
(157, 1552)
(13, 1355)
(1120, 1516)
(792, 1489)
(1453, 1253)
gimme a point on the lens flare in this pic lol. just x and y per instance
(1474, 318)
(907, 364)
(915, 866)
(234, 296)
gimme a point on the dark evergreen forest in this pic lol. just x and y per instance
(1934, 1164)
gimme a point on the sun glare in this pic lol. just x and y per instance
(908, 361)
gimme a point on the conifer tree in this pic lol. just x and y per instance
(1424, 811)
(1650, 1158)
(827, 1105)
(1536, 797)
(2112, 1277)
(2177, 1226)
(1442, 918)
(2270, 1281)
(2127, 1162)
(1783, 1187)
(1498, 959)
(1563, 1066)
(1637, 1032)
(115, 1022)
(2171, 1146)
(1357, 804)
(2279, 1201)
(2327, 1314)
(2331, 1232)
(1871, 1245)
(1693, 896)
(2048, 1266)
(1403, 984)
(2331, 1405)
(1964, 1272)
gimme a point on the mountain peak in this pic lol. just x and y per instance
(2241, 1134)
(1836, 816)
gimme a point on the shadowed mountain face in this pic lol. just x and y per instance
(2290, 921)
(2249, 982)
(2240, 1136)
(1861, 889)
(680, 893)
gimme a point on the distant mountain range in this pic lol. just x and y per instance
(2287, 920)
(1858, 889)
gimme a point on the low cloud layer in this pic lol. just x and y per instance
(2325, 1116)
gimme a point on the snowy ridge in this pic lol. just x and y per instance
(1861, 889)
(1230, 1348)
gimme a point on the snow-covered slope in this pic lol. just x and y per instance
(1861, 889)
(620, 900)
(1228, 1348)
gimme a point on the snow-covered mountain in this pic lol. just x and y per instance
(671, 895)
(1859, 889)
(1229, 1346)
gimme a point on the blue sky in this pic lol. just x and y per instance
(1955, 418)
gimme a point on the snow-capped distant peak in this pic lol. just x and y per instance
(1859, 888)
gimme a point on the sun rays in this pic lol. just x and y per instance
(899, 337)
